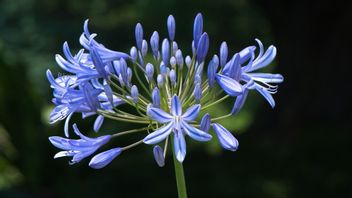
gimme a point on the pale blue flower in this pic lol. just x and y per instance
(178, 123)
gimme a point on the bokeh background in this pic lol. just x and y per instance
(300, 149)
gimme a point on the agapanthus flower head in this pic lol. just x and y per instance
(169, 92)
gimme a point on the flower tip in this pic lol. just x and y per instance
(103, 159)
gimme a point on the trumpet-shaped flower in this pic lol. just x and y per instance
(78, 149)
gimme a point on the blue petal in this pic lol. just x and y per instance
(195, 133)
(98, 63)
(266, 95)
(159, 115)
(59, 142)
(102, 159)
(191, 113)
(81, 155)
(65, 154)
(66, 126)
(159, 155)
(159, 135)
(176, 108)
(239, 102)
(230, 86)
(60, 112)
(98, 122)
(235, 70)
(179, 146)
(265, 60)
(205, 123)
(108, 92)
(267, 78)
(246, 54)
(226, 139)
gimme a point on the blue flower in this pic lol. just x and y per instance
(178, 123)
(78, 149)
(233, 73)
(86, 98)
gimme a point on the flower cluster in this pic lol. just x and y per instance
(166, 89)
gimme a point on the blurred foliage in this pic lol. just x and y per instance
(297, 150)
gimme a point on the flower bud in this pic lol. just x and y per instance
(165, 51)
(122, 83)
(98, 122)
(174, 47)
(144, 48)
(197, 92)
(117, 67)
(173, 62)
(216, 61)
(226, 139)
(149, 70)
(179, 58)
(159, 156)
(123, 70)
(211, 74)
(172, 77)
(134, 93)
(160, 80)
(156, 97)
(223, 53)
(171, 26)
(202, 48)
(129, 74)
(197, 79)
(188, 61)
(197, 28)
(205, 123)
(133, 53)
(103, 159)
(154, 43)
(139, 35)
(163, 69)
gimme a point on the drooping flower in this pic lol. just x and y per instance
(71, 98)
(178, 123)
(78, 149)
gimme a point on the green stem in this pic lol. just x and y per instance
(214, 103)
(221, 117)
(180, 179)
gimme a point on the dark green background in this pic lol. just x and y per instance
(300, 149)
